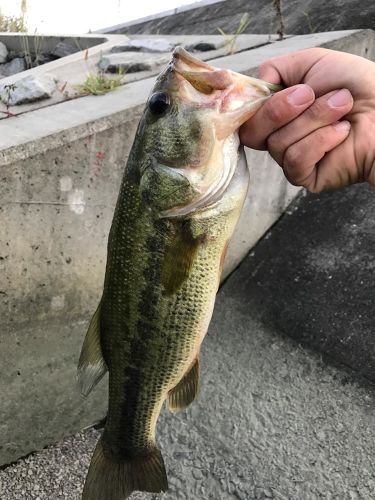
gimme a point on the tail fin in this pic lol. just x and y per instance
(109, 479)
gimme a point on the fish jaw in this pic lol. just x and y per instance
(234, 96)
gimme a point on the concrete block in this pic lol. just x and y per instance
(61, 168)
(55, 213)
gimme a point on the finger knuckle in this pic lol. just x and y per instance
(274, 112)
(293, 158)
(316, 111)
(264, 66)
(276, 143)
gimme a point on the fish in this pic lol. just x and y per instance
(180, 198)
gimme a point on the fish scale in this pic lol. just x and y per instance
(181, 195)
(172, 323)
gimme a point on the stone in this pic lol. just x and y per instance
(3, 52)
(64, 49)
(145, 45)
(202, 46)
(16, 65)
(129, 62)
(29, 89)
(43, 59)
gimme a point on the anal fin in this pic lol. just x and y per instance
(186, 390)
(91, 365)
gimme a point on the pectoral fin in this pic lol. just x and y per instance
(186, 390)
(91, 365)
(179, 258)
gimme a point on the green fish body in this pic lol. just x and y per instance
(181, 196)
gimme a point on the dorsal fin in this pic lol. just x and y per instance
(91, 365)
(186, 390)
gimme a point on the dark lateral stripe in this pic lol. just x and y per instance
(147, 315)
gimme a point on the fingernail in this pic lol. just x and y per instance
(340, 98)
(302, 95)
(342, 126)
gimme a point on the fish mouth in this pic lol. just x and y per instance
(235, 96)
(206, 78)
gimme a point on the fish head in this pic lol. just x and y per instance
(189, 133)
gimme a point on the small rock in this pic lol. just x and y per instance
(203, 46)
(16, 65)
(145, 45)
(3, 52)
(127, 63)
(64, 49)
(321, 435)
(29, 89)
(43, 59)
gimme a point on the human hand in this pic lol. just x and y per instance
(302, 126)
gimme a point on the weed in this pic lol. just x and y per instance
(279, 15)
(232, 39)
(9, 89)
(14, 23)
(99, 83)
(312, 28)
(32, 57)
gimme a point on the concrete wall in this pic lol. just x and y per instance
(309, 16)
(60, 170)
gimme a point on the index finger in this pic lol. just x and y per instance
(277, 111)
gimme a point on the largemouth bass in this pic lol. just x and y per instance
(180, 198)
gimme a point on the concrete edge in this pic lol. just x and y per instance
(68, 60)
(50, 124)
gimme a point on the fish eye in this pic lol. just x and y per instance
(159, 103)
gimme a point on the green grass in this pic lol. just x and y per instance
(12, 23)
(312, 28)
(232, 39)
(99, 84)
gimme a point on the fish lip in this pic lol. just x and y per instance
(181, 58)
(179, 54)
(212, 81)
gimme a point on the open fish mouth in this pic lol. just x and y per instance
(216, 83)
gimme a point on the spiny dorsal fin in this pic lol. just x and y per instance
(179, 257)
(186, 390)
(91, 365)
